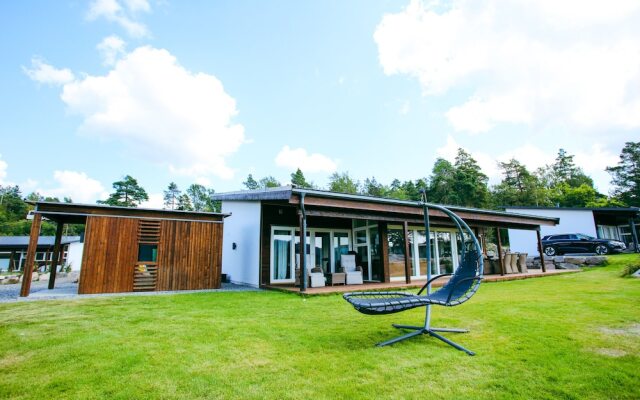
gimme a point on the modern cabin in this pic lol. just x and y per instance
(134, 249)
(263, 236)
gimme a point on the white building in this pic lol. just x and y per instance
(603, 223)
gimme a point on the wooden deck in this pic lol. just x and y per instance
(533, 273)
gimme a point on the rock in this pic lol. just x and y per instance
(35, 277)
(44, 277)
(578, 260)
(565, 265)
(557, 259)
(549, 266)
(636, 274)
(595, 260)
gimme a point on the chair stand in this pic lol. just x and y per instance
(427, 330)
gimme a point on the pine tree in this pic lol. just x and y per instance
(342, 183)
(298, 179)
(251, 183)
(128, 193)
(171, 196)
(625, 176)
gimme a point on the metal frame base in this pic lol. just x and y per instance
(420, 330)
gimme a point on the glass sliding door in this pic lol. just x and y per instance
(340, 247)
(445, 252)
(281, 260)
(395, 236)
(323, 249)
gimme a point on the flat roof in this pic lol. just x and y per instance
(23, 241)
(343, 200)
(77, 212)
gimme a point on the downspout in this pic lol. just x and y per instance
(303, 247)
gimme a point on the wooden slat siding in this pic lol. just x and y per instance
(189, 255)
(110, 252)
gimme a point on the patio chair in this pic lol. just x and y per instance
(353, 272)
(315, 274)
(463, 284)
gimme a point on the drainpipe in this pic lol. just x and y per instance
(303, 246)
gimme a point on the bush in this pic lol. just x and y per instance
(630, 269)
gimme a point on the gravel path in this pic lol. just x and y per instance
(69, 290)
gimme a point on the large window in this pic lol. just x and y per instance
(323, 249)
(445, 246)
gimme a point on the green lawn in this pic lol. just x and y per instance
(573, 336)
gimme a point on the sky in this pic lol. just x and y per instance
(211, 91)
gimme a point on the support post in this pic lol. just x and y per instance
(384, 245)
(31, 254)
(12, 261)
(634, 235)
(544, 268)
(407, 258)
(500, 259)
(303, 245)
(56, 256)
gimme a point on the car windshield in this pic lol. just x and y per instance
(581, 236)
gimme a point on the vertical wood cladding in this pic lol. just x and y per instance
(189, 255)
(110, 253)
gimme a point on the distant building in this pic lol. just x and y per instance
(604, 223)
(13, 251)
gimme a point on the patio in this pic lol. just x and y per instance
(417, 283)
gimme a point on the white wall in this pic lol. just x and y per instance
(571, 221)
(74, 255)
(242, 228)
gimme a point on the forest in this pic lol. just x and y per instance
(462, 183)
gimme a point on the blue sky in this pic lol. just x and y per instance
(209, 92)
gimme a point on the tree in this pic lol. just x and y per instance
(371, 187)
(171, 196)
(519, 187)
(269, 182)
(128, 193)
(251, 183)
(298, 179)
(470, 183)
(342, 183)
(564, 170)
(184, 203)
(441, 183)
(625, 176)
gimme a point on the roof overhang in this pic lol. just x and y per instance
(74, 213)
(331, 204)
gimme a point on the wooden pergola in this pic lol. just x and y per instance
(72, 213)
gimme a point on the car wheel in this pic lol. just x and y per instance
(601, 249)
(550, 251)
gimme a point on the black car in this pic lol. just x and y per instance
(578, 243)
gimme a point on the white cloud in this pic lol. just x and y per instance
(161, 111)
(574, 63)
(42, 72)
(111, 48)
(299, 158)
(3, 171)
(112, 11)
(76, 185)
(156, 200)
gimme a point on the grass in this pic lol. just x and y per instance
(573, 336)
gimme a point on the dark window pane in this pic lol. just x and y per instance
(148, 252)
